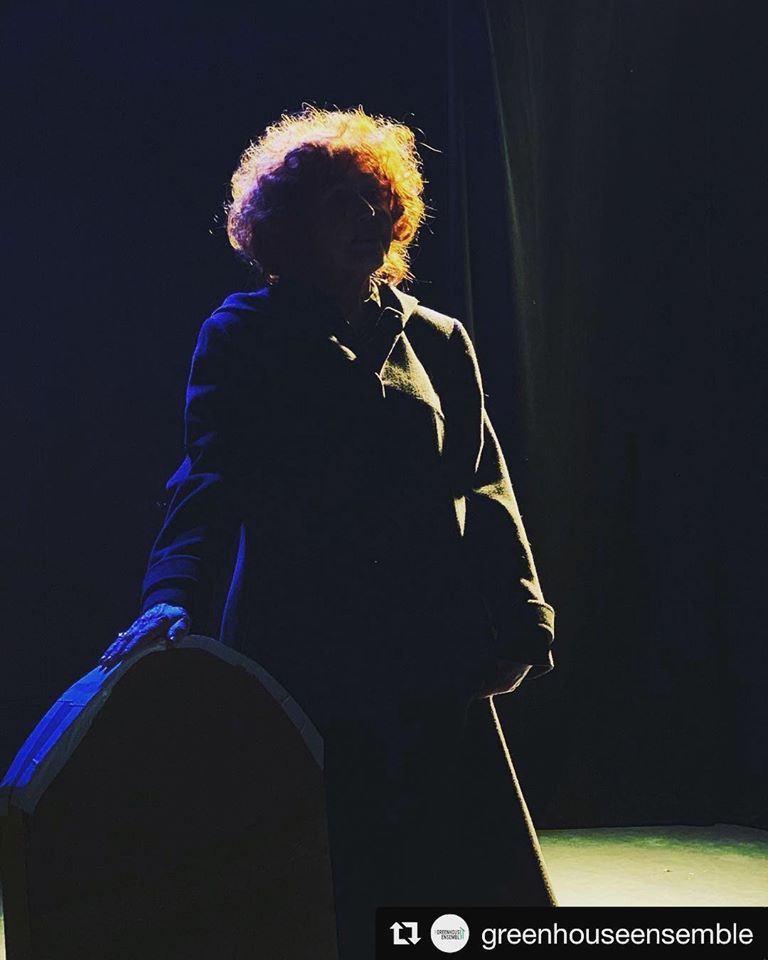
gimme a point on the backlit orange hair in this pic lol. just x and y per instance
(280, 171)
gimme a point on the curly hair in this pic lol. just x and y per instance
(281, 171)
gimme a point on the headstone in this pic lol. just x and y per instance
(171, 807)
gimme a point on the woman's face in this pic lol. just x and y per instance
(350, 229)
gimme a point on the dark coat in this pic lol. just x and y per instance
(382, 565)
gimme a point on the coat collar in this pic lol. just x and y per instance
(317, 314)
(406, 303)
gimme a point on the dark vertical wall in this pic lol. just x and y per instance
(598, 226)
(633, 144)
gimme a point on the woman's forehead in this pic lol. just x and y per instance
(353, 178)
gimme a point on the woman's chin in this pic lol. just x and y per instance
(369, 253)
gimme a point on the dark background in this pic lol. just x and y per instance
(596, 177)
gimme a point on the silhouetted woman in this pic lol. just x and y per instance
(338, 429)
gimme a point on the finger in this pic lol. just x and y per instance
(179, 630)
(106, 663)
(111, 657)
(116, 644)
(131, 639)
(112, 652)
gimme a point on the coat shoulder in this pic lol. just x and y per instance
(242, 311)
(232, 339)
(444, 336)
(431, 322)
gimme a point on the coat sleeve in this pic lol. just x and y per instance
(496, 546)
(202, 516)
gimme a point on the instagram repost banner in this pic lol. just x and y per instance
(501, 932)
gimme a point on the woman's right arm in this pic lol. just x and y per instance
(203, 514)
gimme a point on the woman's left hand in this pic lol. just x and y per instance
(503, 676)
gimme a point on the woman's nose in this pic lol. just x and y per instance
(365, 209)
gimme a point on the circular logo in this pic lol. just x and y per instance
(450, 933)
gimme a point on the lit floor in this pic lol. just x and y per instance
(653, 866)
(721, 865)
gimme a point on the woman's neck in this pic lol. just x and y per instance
(350, 295)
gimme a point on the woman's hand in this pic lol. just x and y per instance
(503, 676)
(163, 621)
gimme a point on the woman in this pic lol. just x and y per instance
(383, 573)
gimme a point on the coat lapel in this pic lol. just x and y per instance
(402, 370)
(404, 373)
(389, 355)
